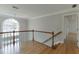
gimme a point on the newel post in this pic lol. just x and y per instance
(53, 40)
(13, 37)
(33, 35)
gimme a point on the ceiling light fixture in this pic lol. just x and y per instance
(74, 5)
(15, 7)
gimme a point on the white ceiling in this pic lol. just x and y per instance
(33, 10)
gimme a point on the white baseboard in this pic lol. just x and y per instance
(59, 42)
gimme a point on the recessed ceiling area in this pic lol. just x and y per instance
(32, 10)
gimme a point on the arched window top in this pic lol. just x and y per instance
(10, 25)
(10, 21)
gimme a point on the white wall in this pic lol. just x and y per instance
(78, 32)
(48, 23)
(24, 36)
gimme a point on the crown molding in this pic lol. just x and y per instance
(59, 12)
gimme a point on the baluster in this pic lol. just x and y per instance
(3, 43)
(7, 42)
(13, 37)
(10, 41)
(10, 37)
(53, 40)
(13, 42)
(33, 35)
(33, 38)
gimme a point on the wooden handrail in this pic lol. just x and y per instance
(57, 33)
(16, 31)
(43, 31)
(27, 31)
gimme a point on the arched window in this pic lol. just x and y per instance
(10, 25)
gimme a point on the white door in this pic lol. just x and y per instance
(71, 24)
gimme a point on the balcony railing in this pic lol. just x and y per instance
(33, 35)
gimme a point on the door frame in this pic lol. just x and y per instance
(63, 25)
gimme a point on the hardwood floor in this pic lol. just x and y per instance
(31, 47)
(68, 47)
(37, 48)
(34, 47)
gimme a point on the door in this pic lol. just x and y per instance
(71, 24)
(71, 31)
